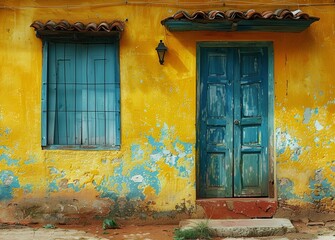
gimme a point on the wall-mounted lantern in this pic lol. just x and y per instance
(161, 50)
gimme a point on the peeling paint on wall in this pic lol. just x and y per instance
(284, 142)
(153, 158)
(9, 161)
(320, 186)
(318, 126)
(307, 115)
(285, 189)
(8, 182)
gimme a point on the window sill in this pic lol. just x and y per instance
(82, 147)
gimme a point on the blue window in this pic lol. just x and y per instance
(81, 95)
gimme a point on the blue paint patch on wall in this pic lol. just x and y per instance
(188, 147)
(112, 186)
(135, 191)
(295, 155)
(285, 190)
(8, 182)
(150, 178)
(183, 172)
(136, 152)
(280, 151)
(307, 115)
(321, 187)
(59, 182)
(53, 187)
(284, 141)
(131, 183)
(105, 191)
(9, 161)
(321, 190)
(165, 131)
(158, 146)
(172, 154)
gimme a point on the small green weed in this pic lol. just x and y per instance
(200, 231)
(109, 224)
(49, 226)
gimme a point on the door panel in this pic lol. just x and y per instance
(216, 100)
(233, 122)
(216, 113)
(250, 100)
(250, 158)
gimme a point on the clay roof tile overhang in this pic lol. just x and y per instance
(280, 20)
(63, 30)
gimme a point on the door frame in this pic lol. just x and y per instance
(270, 116)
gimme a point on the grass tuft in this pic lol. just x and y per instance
(201, 231)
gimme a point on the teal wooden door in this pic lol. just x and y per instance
(232, 122)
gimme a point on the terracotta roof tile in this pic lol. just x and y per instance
(231, 15)
(279, 20)
(79, 26)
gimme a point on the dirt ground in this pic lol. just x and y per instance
(311, 230)
(129, 232)
(165, 232)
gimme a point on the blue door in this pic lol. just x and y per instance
(232, 128)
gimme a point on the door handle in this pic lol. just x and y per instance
(236, 122)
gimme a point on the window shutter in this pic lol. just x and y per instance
(83, 92)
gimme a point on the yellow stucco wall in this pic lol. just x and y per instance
(158, 112)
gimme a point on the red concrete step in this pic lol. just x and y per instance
(227, 208)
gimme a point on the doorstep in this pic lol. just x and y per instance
(242, 227)
(238, 208)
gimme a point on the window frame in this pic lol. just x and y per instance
(74, 39)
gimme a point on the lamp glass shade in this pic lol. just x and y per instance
(161, 50)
